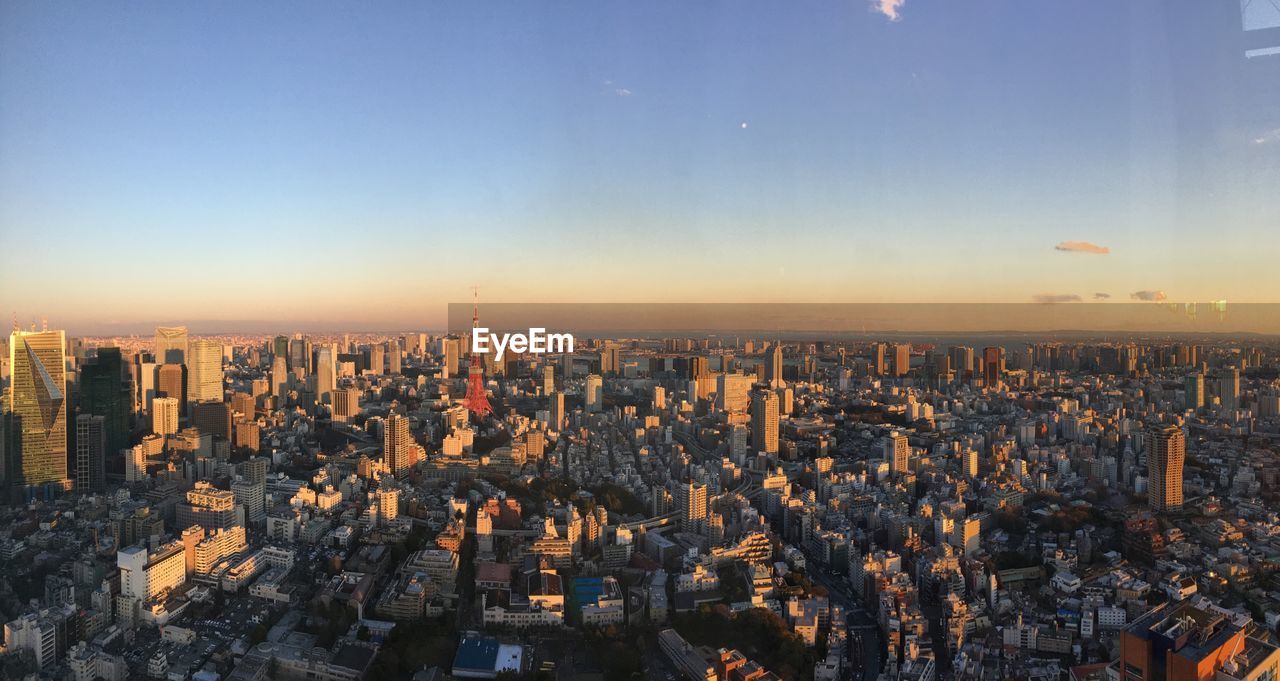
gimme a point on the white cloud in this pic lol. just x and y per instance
(1082, 247)
(1269, 137)
(622, 92)
(889, 8)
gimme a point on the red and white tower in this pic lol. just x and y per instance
(477, 399)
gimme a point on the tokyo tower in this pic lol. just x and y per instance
(477, 400)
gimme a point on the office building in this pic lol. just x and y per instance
(326, 375)
(732, 392)
(1190, 641)
(91, 454)
(104, 392)
(897, 452)
(901, 359)
(775, 366)
(171, 381)
(36, 409)
(764, 421)
(548, 379)
(170, 345)
(346, 404)
(557, 411)
(393, 359)
(1229, 388)
(878, 367)
(1193, 391)
(280, 377)
(992, 366)
(164, 415)
(593, 394)
(208, 507)
(147, 574)
(204, 371)
(213, 418)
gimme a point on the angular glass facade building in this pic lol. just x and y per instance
(37, 409)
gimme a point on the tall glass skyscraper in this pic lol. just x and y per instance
(37, 409)
(105, 392)
(171, 345)
(204, 371)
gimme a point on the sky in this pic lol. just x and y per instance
(298, 163)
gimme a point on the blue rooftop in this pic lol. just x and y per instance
(476, 653)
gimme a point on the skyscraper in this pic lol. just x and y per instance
(691, 500)
(961, 360)
(171, 381)
(1166, 453)
(992, 366)
(1229, 388)
(346, 404)
(1193, 390)
(204, 380)
(877, 359)
(91, 451)
(698, 367)
(326, 375)
(901, 359)
(764, 421)
(593, 393)
(548, 379)
(145, 390)
(213, 418)
(609, 360)
(171, 345)
(397, 445)
(732, 392)
(969, 462)
(280, 348)
(104, 392)
(36, 408)
(775, 365)
(450, 350)
(393, 359)
(557, 411)
(299, 354)
(279, 377)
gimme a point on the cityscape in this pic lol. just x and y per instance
(854, 340)
(363, 505)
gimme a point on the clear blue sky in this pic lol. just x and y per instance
(368, 162)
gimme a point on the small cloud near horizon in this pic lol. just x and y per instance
(1269, 137)
(1082, 247)
(889, 8)
(1101, 296)
(1148, 296)
(1051, 298)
